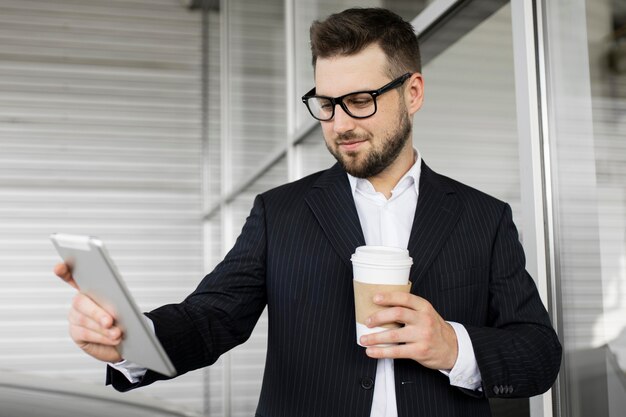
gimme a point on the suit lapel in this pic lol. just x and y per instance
(333, 206)
(438, 210)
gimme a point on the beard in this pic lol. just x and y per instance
(378, 158)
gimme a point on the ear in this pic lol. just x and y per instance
(414, 93)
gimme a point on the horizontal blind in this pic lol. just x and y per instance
(100, 134)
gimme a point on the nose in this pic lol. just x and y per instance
(342, 122)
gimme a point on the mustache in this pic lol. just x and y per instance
(350, 137)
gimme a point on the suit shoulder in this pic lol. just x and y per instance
(470, 195)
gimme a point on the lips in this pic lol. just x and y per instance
(351, 145)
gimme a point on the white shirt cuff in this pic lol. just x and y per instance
(133, 372)
(465, 372)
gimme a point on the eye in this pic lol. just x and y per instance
(324, 104)
(359, 100)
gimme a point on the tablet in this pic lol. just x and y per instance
(96, 275)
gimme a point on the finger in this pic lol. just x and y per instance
(63, 272)
(86, 306)
(95, 344)
(78, 319)
(391, 336)
(399, 298)
(390, 316)
(82, 336)
(102, 352)
(389, 352)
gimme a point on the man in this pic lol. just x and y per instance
(473, 325)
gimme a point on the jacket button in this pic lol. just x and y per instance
(367, 382)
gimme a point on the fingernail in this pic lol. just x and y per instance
(368, 321)
(378, 298)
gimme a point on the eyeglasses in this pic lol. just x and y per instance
(360, 104)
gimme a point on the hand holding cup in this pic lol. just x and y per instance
(390, 321)
(377, 269)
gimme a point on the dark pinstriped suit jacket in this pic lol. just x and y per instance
(293, 255)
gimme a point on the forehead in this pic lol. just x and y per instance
(338, 75)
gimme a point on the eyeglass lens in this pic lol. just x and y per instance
(356, 105)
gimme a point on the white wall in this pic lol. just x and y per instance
(100, 117)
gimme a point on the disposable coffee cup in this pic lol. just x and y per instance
(377, 269)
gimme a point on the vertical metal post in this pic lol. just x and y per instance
(205, 173)
(226, 172)
(293, 162)
(532, 133)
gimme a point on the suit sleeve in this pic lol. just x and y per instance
(518, 352)
(220, 314)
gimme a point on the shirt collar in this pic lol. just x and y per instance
(413, 175)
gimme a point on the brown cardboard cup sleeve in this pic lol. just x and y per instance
(364, 305)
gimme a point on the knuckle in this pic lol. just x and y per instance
(81, 320)
(428, 322)
(421, 350)
(397, 314)
(78, 302)
(391, 352)
(394, 336)
(83, 334)
(427, 333)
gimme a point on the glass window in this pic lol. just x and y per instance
(587, 55)
(256, 73)
(467, 127)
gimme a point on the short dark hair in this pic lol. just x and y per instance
(349, 32)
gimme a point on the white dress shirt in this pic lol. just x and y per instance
(385, 222)
(388, 222)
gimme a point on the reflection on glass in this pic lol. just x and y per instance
(467, 127)
(589, 108)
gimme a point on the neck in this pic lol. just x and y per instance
(389, 177)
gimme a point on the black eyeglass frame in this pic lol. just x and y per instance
(339, 100)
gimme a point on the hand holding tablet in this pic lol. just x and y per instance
(106, 322)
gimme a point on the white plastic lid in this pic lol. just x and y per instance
(382, 255)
